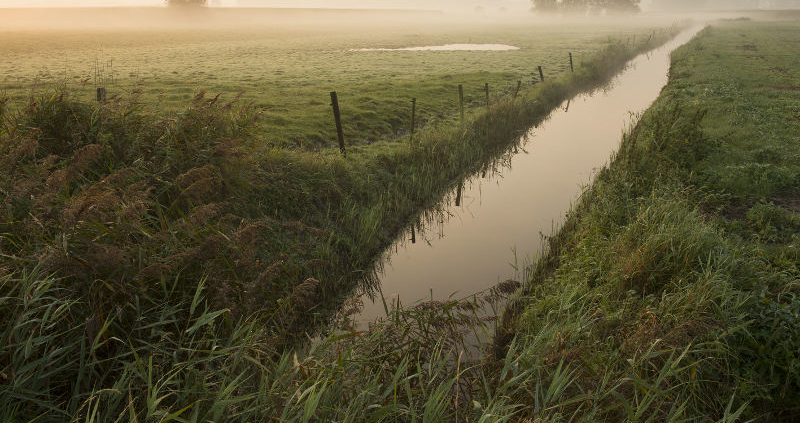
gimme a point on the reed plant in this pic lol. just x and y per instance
(171, 267)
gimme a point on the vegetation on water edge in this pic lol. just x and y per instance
(159, 268)
(671, 293)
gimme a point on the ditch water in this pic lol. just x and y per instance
(485, 231)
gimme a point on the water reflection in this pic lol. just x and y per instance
(473, 236)
(461, 204)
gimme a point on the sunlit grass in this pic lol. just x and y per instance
(288, 73)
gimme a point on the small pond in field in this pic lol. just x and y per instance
(448, 47)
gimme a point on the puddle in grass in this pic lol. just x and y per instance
(483, 232)
(448, 47)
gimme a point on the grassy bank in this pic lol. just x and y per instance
(159, 267)
(671, 293)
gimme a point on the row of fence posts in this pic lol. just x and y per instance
(338, 117)
(102, 96)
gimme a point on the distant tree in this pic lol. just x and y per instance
(584, 6)
(545, 5)
(187, 3)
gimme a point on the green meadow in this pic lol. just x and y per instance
(175, 255)
(287, 70)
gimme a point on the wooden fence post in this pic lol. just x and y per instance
(461, 101)
(413, 113)
(101, 95)
(458, 194)
(338, 117)
(541, 74)
(571, 67)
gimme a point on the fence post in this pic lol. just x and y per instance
(413, 235)
(458, 194)
(516, 92)
(461, 101)
(101, 95)
(571, 67)
(541, 74)
(413, 113)
(338, 117)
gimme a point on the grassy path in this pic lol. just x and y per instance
(672, 291)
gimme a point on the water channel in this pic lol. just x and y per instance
(501, 215)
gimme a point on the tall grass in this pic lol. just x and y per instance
(169, 267)
(182, 360)
(671, 306)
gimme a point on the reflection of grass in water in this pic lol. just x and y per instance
(288, 73)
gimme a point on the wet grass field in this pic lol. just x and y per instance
(287, 70)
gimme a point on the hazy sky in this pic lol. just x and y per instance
(449, 5)
(399, 4)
